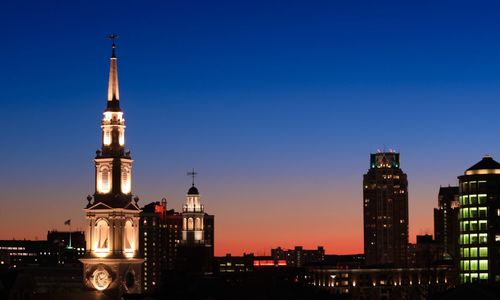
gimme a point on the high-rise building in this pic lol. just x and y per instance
(160, 231)
(385, 211)
(152, 242)
(113, 260)
(446, 222)
(480, 222)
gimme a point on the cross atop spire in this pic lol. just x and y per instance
(113, 37)
(192, 174)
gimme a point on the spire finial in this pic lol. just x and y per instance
(113, 37)
(192, 174)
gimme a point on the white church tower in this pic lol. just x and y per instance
(192, 217)
(112, 262)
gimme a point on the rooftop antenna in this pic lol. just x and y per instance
(192, 174)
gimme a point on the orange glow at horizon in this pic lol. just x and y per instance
(255, 223)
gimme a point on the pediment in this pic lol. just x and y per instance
(100, 205)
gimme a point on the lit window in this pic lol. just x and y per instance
(483, 238)
(473, 239)
(483, 212)
(483, 252)
(473, 225)
(464, 225)
(473, 265)
(465, 252)
(482, 199)
(483, 265)
(483, 225)
(473, 252)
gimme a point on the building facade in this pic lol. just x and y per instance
(385, 211)
(160, 232)
(298, 256)
(112, 261)
(479, 218)
(383, 284)
(446, 222)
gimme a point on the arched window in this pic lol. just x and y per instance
(190, 224)
(184, 223)
(129, 239)
(101, 236)
(104, 183)
(107, 136)
(197, 224)
(126, 182)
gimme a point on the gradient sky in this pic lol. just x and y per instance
(277, 105)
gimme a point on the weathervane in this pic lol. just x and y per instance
(113, 37)
(192, 174)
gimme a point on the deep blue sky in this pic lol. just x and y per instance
(278, 105)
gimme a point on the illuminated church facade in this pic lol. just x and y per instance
(113, 261)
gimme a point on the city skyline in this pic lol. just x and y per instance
(286, 143)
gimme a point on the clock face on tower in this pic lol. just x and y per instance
(101, 279)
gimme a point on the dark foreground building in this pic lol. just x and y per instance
(386, 283)
(385, 211)
(480, 222)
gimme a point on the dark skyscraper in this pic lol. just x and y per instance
(446, 222)
(479, 222)
(385, 211)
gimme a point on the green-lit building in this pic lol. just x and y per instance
(479, 218)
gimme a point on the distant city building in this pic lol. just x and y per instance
(56, 250)
(446, 226)
(426, 253)
(113, 261)
(384, 283)
(480, 222)
(385, 211)
(299, 257)
(229, 265)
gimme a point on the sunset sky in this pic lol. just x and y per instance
(277, 105)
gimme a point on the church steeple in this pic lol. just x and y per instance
(113, 162)
(113, 261)
(113, 91)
